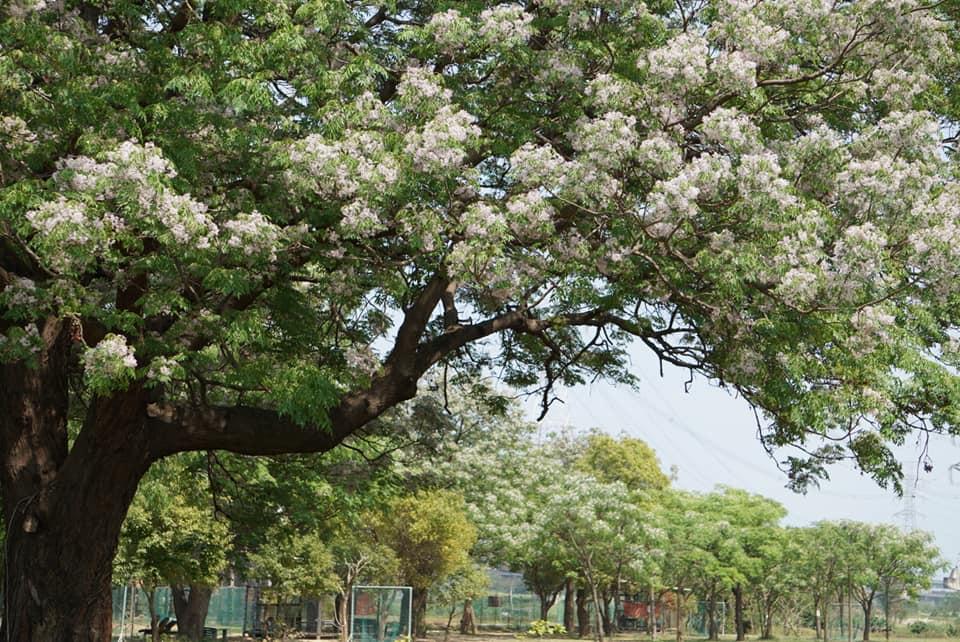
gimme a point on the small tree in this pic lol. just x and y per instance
(460, 587)
(168, 539)
(431, 537)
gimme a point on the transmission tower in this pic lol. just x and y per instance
(908, 514)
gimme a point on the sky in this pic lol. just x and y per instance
(711, 437)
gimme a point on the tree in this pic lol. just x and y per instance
(460, 588)
(168, 538)
(756, 193)
(605, 531)
(627, 460)
(431, 537)
(892, 560)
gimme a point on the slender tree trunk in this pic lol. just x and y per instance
(598, 632)
(680, 622)
(712, 633)
(767, 627)
(816, 616)
(547, 600)
(191, 603)
(446, 630)
(468, 621)
(343, 604)
(867, 615)
(738, 611)
(886, 612)
(569, 612)
(152, 609)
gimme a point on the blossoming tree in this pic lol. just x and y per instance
(254, 225)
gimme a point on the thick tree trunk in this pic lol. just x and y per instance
(64, 512)
(569, 612)
(468, 620)
(583, 615)
(419, 612)
(190, 603)
(738, 611)
(867, 615)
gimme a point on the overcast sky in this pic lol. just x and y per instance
(711, 438)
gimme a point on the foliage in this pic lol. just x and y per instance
(542, 628)
(430, 535)
(295, 564)
(625, 459)
(170, 535)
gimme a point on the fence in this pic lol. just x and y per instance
(131, 612)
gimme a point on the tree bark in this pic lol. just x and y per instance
(569, 613)
(583, 615)
(64, 511)
(190, 603)
(342, 605)
(64, 506)
(867, 614)
(419, 612)
(738, 611)
(468, 620)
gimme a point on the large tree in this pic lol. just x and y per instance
(253, 225)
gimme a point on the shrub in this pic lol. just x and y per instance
(542, 628)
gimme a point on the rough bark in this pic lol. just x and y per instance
(738, 611)
(190, 603)
(468, 620)
(569, 612)
(64, 506)
(583, 615)
(419, 612)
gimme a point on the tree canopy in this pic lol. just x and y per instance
(254, 225)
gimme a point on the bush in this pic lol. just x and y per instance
(918, 627)
(542, 628)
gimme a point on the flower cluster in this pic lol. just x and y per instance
(253, 235)
(110, 364)
(342, 168)
(359, 220)
(607, 141)
(505, 25)
(442, 143)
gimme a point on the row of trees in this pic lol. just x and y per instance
(586, 516)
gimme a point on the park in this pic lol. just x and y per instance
(287, 285)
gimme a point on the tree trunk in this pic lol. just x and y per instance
(190, 603)
(152, 609)
(468, 621)
(712, 632)
(446, 630)
(343, 616)
(867, 614)
(63, 512)
(419, 612)
(766, 632)
(583, 615)
(738, 611)
(598, 631)
(547, 600)
(569, 612)
(680, 622)
(886, 612)
(816, 617)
